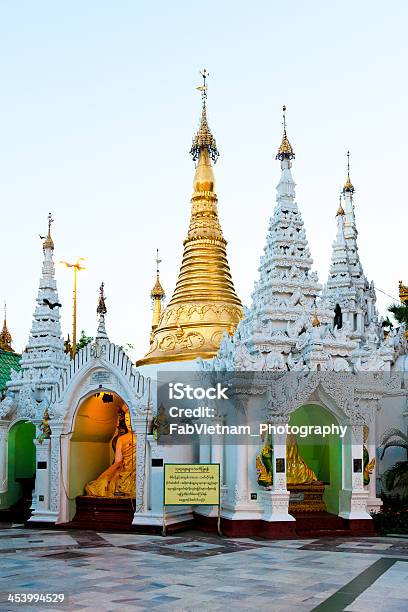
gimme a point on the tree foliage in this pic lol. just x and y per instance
(83, 340)
(400, 312)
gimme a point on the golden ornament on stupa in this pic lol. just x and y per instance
(285, 150)
(348, 187)
(5, 336)
(204, 304)
(340, 210)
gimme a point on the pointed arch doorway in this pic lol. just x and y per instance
(322, 454)
(97, 468)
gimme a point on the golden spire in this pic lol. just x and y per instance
(157, 295)
(204, 304)
(5, 336)
(204, 138)
(340, 210)
(285, 150)
(348, 187)
(48, 242)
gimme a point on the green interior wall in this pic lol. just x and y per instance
(21, 460)
(323, 455)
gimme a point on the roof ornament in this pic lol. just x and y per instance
(348, 187)
(101, 309)
(204, 138)
(340, 210)
(48, 241)
(285, 150)
(5, 336)
(157, 292)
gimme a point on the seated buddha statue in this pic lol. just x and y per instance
(297, 470)
(119, 480)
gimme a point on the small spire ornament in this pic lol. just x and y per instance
(48, 241)
(348, 187)
(101, 308)
(340, 210)
(285, 150)
(204, 138)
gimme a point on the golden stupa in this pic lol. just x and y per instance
(204, 304)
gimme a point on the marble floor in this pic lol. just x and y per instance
(197, 572)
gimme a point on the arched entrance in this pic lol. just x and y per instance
(322, 454)
(21, 469)
(100, 420)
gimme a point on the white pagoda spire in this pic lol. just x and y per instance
(287, 288)
(341, 270)
(44, 358)
(285, 306)
(347, 289)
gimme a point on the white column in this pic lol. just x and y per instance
(374, 503)
(139, 428)
(276, 501)
(48, 479)
(213, 453)
(41, 503)
(4, 428)
(353, 497)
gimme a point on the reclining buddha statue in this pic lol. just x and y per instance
(119, 480)
(297, 470)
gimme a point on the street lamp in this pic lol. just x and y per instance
(77, 267)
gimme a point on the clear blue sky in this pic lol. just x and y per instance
(98, 107)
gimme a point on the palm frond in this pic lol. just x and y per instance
(396, 477)
(394, 432)
(394, 443)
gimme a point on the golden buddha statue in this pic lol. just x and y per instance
(119, 480)
(297, 470)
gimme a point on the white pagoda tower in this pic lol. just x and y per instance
(285, 301)
(44, 358)
(348, 292)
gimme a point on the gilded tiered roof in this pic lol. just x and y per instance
(5, 336)
(204, 304)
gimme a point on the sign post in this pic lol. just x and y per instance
(192, 484)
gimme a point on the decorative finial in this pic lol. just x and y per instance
(68, 346)
(348, 187)
(101, 309)
(203, 88)
(157, 292)
(340, 210)
(285, 150)
(5, 336)
(204, 138)
(158, 261)
(48, 242)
